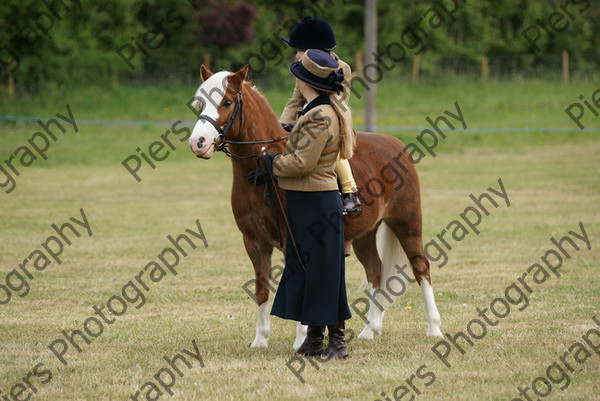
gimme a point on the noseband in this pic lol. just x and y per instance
(222, 145)
(222, 138)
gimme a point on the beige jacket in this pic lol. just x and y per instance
(295, 104)
(311, 152)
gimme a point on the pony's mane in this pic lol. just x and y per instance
(267, 126)
(260, 98)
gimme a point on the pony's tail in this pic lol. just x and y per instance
(393, 257)
(391, 284)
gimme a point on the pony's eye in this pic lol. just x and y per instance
(227, 103)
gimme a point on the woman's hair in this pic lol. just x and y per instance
(347, 136)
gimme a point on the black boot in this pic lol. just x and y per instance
(313, 343)
(350, 203)
(337, 345)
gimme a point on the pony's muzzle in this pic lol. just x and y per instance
(199, 147)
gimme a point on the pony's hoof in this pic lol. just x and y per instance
(298, 343)
(368, 333)
(259, 343)
(434, 333)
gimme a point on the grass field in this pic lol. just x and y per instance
(552, 180)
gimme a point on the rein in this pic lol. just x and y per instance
(270, 187)
(222, 145)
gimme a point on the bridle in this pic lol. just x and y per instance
(270, 186)
(221, 142)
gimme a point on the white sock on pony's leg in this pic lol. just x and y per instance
(375, 315)
(263, 327)
(433, 316)
(300, 335)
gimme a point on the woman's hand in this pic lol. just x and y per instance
(258, 176)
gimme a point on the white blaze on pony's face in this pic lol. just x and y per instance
(208, 98)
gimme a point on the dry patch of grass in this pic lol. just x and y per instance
(551, 187)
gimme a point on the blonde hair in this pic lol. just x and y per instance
(347, 135)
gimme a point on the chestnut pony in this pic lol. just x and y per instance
(386, 236)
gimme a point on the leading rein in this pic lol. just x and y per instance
(222, 140)
(270, 187)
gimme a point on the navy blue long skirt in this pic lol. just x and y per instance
(317, 296)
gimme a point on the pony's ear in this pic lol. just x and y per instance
(205, 73)
(238, 78)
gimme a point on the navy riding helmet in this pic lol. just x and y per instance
(312, 33)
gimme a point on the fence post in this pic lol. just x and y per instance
(415, 69)
(370, 49)
(485, 68)
(114, 80)
(359, 65)
(565, 66)
(11, 85)
(206, 60)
